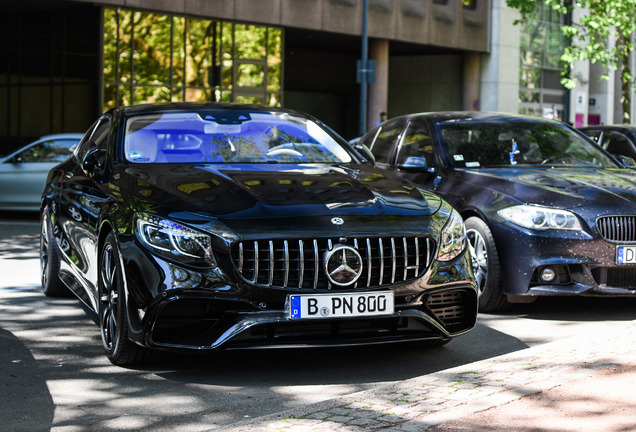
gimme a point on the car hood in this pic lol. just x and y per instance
(256, 191)
(559, 187)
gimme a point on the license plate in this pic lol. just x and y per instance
(315, 306)
(625, 254)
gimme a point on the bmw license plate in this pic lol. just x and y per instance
(625, 254)
(314, 306)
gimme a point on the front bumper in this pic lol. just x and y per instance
(190, 321)
(584, 265)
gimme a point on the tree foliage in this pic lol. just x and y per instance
(604, 35)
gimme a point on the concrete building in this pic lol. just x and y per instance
(63, 62)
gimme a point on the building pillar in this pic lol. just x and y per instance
(378, 97)
(470, 92)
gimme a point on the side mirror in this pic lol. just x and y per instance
(365, 152)
(95, 159)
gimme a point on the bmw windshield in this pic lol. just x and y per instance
(471, 144)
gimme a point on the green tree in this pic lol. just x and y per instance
(590, 38)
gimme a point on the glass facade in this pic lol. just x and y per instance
(151, 57)
(542, 43)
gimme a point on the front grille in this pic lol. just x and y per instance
(298, 263)
(617, 228)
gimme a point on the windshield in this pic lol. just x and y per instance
(487, 144)
(229, 136)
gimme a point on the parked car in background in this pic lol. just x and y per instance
(216, 226)
(619, 140)
(23, 172)
(547, 212)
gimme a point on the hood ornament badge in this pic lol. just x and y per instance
(337, 221)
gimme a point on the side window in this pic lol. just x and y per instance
(95, 137)
(48, 151)
(386, 140)
(416, 148)
(618, 144)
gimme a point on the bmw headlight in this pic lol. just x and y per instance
(540, 218)
(453, 237)
(174, 240)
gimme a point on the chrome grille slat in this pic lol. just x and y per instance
(286, 256)
(272, 261)
(301, 263)
(316, 266)
(393, 260)
(289, 263)
(617, 228)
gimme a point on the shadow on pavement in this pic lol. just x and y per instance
(27, 404)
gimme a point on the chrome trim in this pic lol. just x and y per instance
(381, 248)
(271, 262)
(301, 266)
(255, 262)
(394, 259)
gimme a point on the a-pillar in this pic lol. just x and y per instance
(378, 91)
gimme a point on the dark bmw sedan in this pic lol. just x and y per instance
(213, 226)
(547, 212)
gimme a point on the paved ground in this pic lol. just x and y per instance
(584, 383)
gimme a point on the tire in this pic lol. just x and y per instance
(486, 268)
(113, 318)
(52, 286)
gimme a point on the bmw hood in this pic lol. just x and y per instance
(254, 191)
(560, 187)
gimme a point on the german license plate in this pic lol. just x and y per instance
(316, 306)
(625, 254)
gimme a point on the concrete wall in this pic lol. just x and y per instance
(500, 67)
(417, 21)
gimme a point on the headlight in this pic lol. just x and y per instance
(453, 238)
(540, 218)
(173, 240)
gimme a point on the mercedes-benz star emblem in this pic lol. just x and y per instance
(343, 265)
(337, 221)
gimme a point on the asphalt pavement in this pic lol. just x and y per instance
(585, 382)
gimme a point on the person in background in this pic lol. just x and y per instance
(383, 117)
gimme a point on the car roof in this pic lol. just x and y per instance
(188, 106)
(61, 136)
(480, 116)
(616, 127)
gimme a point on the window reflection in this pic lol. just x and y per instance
(152, 57)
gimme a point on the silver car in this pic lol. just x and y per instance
(23, 172)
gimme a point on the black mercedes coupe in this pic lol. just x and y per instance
(548, 212)
(218, 226)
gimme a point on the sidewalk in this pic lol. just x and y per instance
(584, 383)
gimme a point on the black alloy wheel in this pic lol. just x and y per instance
(52, 286)
(113, 322)
(486, 268)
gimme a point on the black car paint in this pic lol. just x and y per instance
(87, 200)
